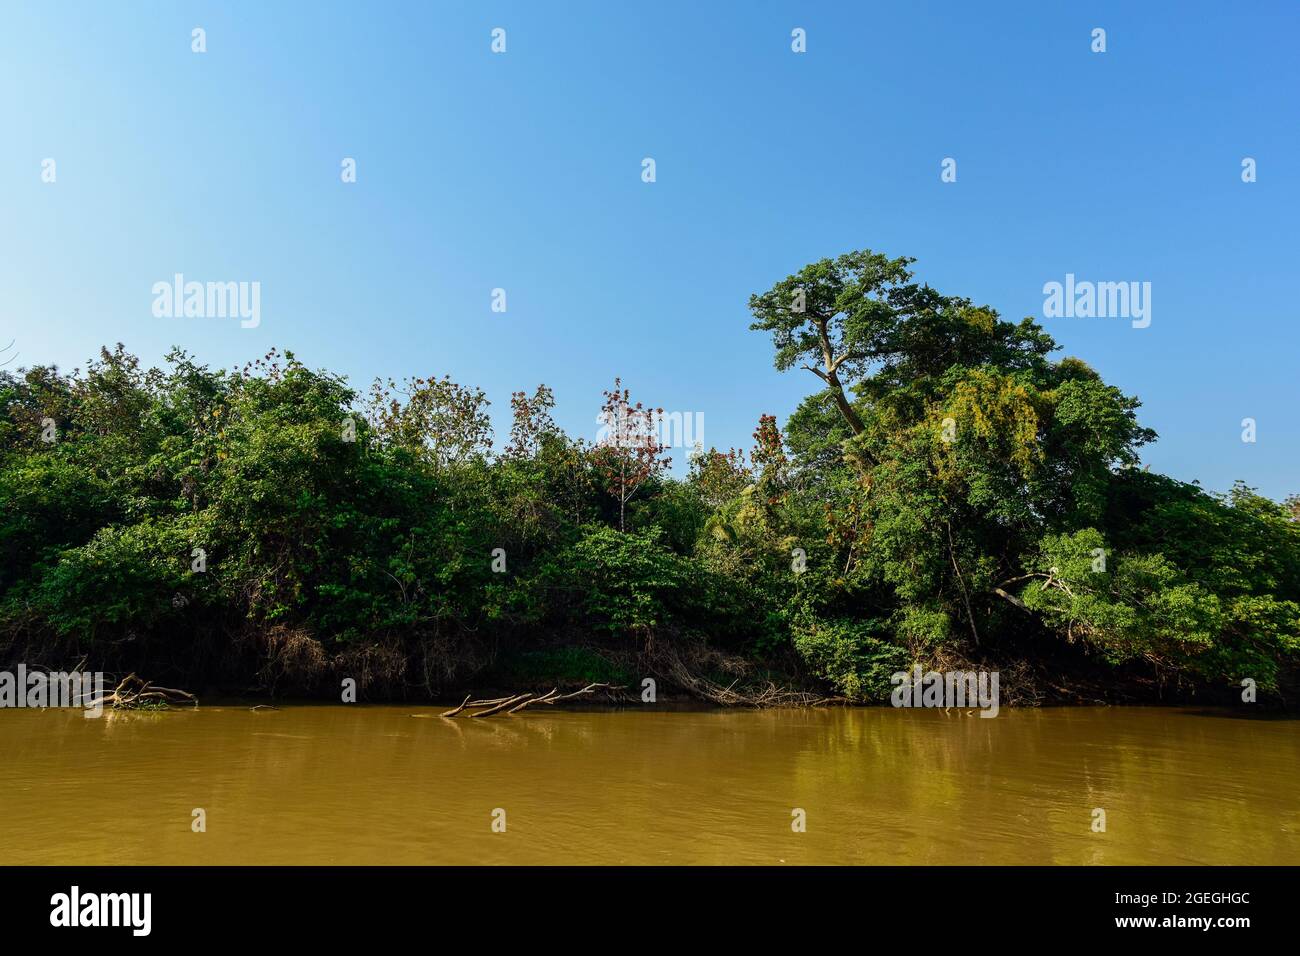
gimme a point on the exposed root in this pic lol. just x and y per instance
(291, 656)
(669, 662)
(378, 668)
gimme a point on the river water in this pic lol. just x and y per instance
(398, 784)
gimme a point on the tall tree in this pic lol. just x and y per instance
(862, 326)
(532, 422)
(825, 314)
(629, 451)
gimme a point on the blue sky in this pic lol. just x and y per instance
(523, 171)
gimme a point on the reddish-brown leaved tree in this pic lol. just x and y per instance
(629, 450)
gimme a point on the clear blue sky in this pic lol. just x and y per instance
(523, 171)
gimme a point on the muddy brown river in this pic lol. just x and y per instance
(397, 784)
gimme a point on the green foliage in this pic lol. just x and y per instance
(968, 483)
(618, 582)
(632, 584)
(948, 493)
(857, 657)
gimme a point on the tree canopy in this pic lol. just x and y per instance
(950, 492)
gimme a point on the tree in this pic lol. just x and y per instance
(532, 423)
(984, 497)
(826, 314)
(983, 505)
(719, 476)
(629, 451)
(866, 328)
(433, 418)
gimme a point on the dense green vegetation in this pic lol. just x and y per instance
(950, 495)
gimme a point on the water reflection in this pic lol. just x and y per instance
(352, 784)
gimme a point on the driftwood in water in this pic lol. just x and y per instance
(134, 691)
(501, 706)
(518, 702)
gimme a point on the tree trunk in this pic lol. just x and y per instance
(842, 402)
(832, 378)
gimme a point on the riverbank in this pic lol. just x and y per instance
(273, 530)
(284, 666)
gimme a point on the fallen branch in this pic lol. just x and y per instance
(454, 712)
(476, 703)
(133, 692)
(501, 706)
(590, 688)
(547, 698)
(517, 702)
